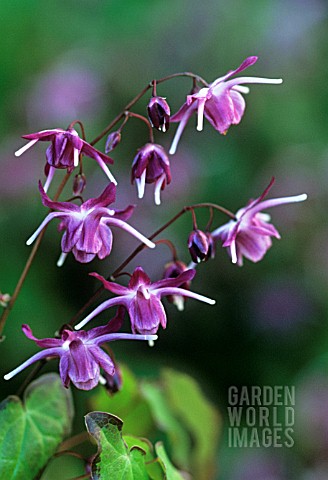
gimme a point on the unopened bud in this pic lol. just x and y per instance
(112, 141)
(79, 184)
(159, 113)
(4, 299)
(198, 244)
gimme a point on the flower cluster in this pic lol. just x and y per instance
(87, 226)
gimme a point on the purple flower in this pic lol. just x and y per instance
(142, 299)
(221, 102)
(112, 141)
(249, 235)
(200, 245)
(159, 113)
(64, 151)
(80, 354)
(151, 165)
(86, 228)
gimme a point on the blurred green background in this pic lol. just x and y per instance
(66, 60)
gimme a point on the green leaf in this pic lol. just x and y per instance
(171, 473)
(31, 432)
(166, 422)
(127, 403)
(114, 460)
(199, 417)
(154, 468)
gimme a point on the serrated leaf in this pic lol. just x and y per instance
(199, 417)
(31, 432)
(114, 460)
(171, 473)
(154, 468)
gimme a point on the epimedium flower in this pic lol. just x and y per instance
(151, 165)
(200, 245)
(221, 102)
(250, 234)
(81, 357)
(87, 231)
(159, 113)
(142, 299)
(64, 151)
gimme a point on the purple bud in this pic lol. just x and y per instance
(112, 141)
(79, 184)
(113, 382)
(159, 113)
(199, 247)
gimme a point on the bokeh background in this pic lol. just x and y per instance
(66, 60)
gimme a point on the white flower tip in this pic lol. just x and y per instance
(172, 150)
(179, 302)
(234, 260)
(151, 343)
(7, 377)
(303, 197)
(150, 244)
(80, 325)
(211, 301)
(29, 241)
(61, 259)
(18, 153)
(102, 380)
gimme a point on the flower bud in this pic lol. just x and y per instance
(112, 141)
(113, 382)
(199, 246)
(4, 299)
(79, 184)
(159, 113)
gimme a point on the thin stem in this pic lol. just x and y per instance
(30, 377)
(194, 220)
(73, 441)
(141, 94)
(154, 92)
(81, 477)
(28, 264)
(171, 247)
(144, 119)
(210, 220)
(71, 125)
(70, 453)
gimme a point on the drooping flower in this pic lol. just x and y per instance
(79, 352)
(200, 245)
(64, 151)
(142, 299)
(159, 113)
(250, 234)
(151, 165)
(112, 141)
(221, 102)
(86, 228)
(173, 270)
